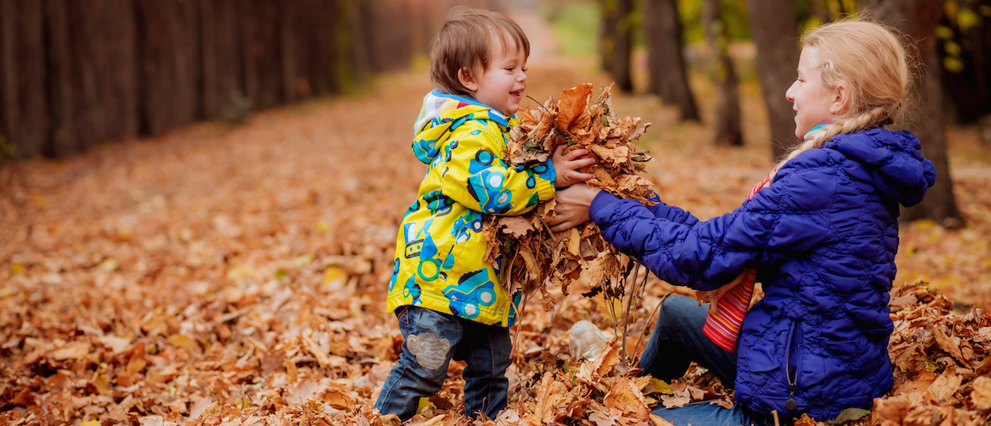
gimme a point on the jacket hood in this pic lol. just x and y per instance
(441, 113)
(893, 159)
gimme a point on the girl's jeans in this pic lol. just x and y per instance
(678, 340)
(432, 339)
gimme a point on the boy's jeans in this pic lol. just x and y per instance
(678, 340)
(421, 372)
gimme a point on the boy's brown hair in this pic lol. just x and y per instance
(464, 41)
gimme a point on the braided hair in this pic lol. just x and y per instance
(869, 59)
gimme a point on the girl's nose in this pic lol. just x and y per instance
(788, 95)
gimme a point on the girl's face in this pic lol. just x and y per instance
(502, 83)
(812, 102)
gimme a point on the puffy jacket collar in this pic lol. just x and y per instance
(442, 112)
(893, 159)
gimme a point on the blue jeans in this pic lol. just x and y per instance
(432, 340)
(676, 341)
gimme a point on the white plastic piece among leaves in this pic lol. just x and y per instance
(586, 341)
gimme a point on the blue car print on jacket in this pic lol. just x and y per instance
(473, 291)
(470, 222)
(486, 188)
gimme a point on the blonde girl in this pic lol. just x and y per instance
(821, 236)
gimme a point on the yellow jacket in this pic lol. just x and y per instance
(439, 249)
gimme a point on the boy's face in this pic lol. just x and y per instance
(502, 83)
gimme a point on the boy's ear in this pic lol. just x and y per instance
(841, 100)
(467, 79)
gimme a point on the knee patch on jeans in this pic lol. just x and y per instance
(429, 349)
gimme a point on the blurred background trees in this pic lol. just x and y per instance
(948, 39)
(78, 73)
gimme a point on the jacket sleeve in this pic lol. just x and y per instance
(476, 177)
(672, 213)
(781, 221)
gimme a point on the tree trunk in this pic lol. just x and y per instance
(260, 38)
(918, 19)
(23, 105)
(169, 63)
(221, 56)
(617, 41)
(607, 27)
(774, 34)
(728, 126)
(966, 77)
(667, 69)
(60, 84)
(104, 67)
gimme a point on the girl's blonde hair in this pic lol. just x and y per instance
(871, 61)
(466, 40)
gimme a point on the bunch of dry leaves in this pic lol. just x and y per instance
(538, 257)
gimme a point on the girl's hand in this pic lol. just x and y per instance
(572, 206)
(566, 167)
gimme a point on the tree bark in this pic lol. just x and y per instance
(221, 55)
(23, 104)
(616, 42)
(60, 84)
(775, 35)
(667, 69)
(169, 64)
(728, 126)
(966, 86)
(104, 67)
(918, 19)
(262, 58)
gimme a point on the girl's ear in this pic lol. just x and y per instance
(841, 100)
(467, 79)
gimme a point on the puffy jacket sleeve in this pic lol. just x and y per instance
(662, 210)
(781, 221)
(476, 177)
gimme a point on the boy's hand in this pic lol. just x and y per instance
(566, 167)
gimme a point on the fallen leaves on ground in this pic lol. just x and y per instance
(237, 276)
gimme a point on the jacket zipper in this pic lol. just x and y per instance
(790, 404)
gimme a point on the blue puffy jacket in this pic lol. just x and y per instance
(823, 238)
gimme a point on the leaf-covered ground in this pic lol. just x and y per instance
(237, 275)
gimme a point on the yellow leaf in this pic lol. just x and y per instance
(243, 403)
(183, 341)
(661, 386)
(90, 423)
(321, 227)
(241, 271)
(424, 403)
(7, 291)
(574, 242)
(102, 384)
(333, 274)
(16, 268)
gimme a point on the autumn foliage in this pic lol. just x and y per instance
(538, 257)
